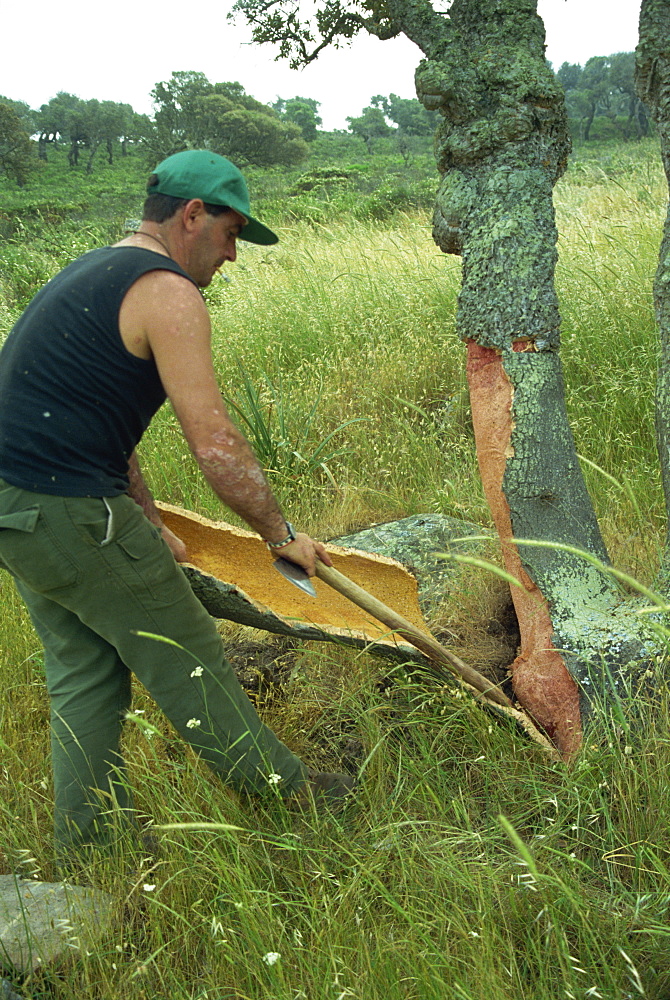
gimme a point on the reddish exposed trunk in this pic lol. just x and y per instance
(540, 678)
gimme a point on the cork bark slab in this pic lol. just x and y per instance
(231, 573)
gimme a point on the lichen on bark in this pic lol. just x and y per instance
(501, 148)
(502, 145)
(652, 74)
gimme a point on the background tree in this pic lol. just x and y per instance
(408, 114)
(86, 126)
(568, 75)
(410, 118)
(176, 111)
(53, 120)
(25, 114)
(653, 88)
(605, 87)
(622, 79)
(17, 151)
(594, 93)
(102, 122)
(371, 124)
(192, 112)
(247, 137)
(502, 145)
(300, 111)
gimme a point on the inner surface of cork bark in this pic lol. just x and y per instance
(541, 680)
(240, 557)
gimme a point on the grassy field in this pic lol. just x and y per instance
(471, 867)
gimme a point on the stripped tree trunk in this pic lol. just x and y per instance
(652, 77)
(503, 145)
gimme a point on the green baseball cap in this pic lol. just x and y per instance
(197, 173)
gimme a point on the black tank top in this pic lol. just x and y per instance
(73, 401)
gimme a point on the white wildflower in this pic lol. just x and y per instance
(197, 672)
(271, 958)
(148, 888)
(193, 723)
(274, 778)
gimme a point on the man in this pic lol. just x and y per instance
(81, 375)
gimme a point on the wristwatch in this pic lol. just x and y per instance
(291, 537)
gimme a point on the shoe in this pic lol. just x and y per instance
(323, 792)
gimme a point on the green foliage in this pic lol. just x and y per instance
(330, 193)
(300, 111)
(300, 36)
(603, 92)
(192, 112)
(248, 137)
(408, 114)
(24, 112)
(17, 152)
(85, 125)
(369, 125)
(472, 866)
(394, 196)
(284, 446)
(320, 178)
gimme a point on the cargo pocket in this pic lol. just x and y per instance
(150, 564)
(30, 550)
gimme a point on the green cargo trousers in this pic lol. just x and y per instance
(93, 573)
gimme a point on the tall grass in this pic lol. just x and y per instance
(610, 212)
(471, 866)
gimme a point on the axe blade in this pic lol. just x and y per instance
(296, 574)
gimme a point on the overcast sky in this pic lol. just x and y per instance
(119, 51)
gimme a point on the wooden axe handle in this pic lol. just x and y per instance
(426, 643)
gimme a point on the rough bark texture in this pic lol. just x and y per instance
(652, 72)
(420, 543)
(502, 146)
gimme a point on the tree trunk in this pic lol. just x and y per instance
(93, 149)
(503, 145)
(588, 119)
(652, 79)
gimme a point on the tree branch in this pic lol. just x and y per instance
(278, 22)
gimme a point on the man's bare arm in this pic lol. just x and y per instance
(178, 331)
(141, 494)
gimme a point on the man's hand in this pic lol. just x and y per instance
(304, 551)
(176, 545)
